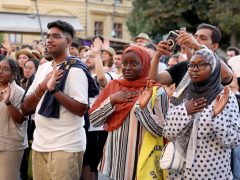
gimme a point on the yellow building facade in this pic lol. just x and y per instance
(20, 23)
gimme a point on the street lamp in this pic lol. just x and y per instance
(113, 18)
(39, 20)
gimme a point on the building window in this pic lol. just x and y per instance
(117, 27)
(15, 38)
(118, 1)
(98, 28)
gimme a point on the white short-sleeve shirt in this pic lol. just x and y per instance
(65, 133)
(92, 100)
(234, 62)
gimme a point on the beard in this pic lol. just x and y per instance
(91, 67)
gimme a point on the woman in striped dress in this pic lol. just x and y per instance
(117, 108)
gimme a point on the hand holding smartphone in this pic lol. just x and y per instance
(172, 40)
(183, 29)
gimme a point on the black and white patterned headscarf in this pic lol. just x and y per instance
(209, 89)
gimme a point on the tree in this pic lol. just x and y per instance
(157, 17)
(226, 15)
(137, 20)
(1, 37)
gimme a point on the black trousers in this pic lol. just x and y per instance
(94, 151)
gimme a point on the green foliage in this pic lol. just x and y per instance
(1, 37)
(157, 17)
(225, 14)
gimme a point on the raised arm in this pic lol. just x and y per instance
(162, 77)
(226, 73)
(188, 40)
(96, 51)
(153, 118)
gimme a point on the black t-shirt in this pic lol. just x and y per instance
(178, 71)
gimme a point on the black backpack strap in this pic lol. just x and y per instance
(109, 75)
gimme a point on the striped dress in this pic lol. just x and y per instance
(122, 148)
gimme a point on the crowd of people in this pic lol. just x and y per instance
(72, 112)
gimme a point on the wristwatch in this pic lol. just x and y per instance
(54, 90)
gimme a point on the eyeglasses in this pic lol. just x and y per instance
(201, 66)
(53, 37)
(4, 69)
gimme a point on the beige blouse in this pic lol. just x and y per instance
(13, 136)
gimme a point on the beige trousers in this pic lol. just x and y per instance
(10, 163)
(57, 165)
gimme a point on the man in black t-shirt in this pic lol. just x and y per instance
(206, 35)
(178, 71)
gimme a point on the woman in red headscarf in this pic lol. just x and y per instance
(117, 108)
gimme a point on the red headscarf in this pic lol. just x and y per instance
(121, 110)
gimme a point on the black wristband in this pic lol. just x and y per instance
(54, 90)
(8, 103)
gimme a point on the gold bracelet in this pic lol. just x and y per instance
(36, 95)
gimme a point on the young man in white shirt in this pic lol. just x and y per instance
(59, 97)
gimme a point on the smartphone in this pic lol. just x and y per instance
(172, 39)
(183, 29)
